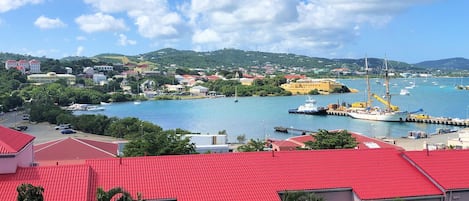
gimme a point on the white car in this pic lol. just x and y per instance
(62, 126)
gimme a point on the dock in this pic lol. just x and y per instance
(286, 130)
(415, 119)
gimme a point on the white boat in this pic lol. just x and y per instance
(94, 108)
(137, 102)
(390, 113)
(309, 107)
(404, 92)
(105, 103)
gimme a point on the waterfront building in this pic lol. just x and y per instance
(51, 77)
(199, 91)
(304, 86)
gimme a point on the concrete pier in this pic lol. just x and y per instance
(413, 119)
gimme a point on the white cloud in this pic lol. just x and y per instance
(206, 36)
(48, 23)
(100, 22)
(312, 27)
(123, 41)
(153, 18)
(7, 5)
(315, 27)
(79, 51)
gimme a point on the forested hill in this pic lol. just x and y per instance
(240, 58)
(457, 63)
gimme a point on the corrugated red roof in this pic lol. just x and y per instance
(364, 142)
(450, 168)
(372, 174)
(73, 151)
(12, 141)
(59, 182)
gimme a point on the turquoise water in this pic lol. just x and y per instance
(257, 116)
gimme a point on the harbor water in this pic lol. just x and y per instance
(256, 117)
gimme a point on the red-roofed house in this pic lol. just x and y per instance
(16, 150)
(363, 141)
(73, 151)
(293, 77)
(345, 175)
(448, 169)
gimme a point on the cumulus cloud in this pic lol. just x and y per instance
(7, 5)
(316, 27)
(100, 22)
(48, 23)
(123, 41)
(153, 18)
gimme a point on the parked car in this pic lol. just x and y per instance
(67, 131)
(20, 128)
(63, 126)
(25, 117)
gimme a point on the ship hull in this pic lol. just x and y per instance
(380, 116)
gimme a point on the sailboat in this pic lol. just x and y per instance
(390, 113)
(236, 94)
(137, 102)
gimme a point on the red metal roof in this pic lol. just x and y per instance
(364, 142)
(12, 141)
(59, 182)
(450, 168)
(73, 151)
(372, 174)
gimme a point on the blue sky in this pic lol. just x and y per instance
(405, 30)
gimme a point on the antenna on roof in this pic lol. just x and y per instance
(426, 147)
(273, 153)
(120, 160)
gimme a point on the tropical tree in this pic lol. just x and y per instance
(301, 196)
(252, 145)
(103, 195)
(332, 140)
(157, 143)
(28, 192)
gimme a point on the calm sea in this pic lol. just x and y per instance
(256, 117)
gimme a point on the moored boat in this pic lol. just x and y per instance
(309, 107)
(390, 113)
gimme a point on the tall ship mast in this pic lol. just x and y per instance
(390, 113)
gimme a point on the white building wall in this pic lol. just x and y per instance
(9, 163)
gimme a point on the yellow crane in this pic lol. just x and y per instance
(392, 107)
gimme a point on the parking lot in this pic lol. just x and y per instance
(44, 132)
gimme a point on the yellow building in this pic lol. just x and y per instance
(304, 86)
(51, 77)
